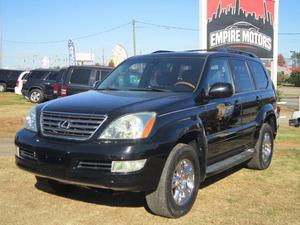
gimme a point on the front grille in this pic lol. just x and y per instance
(94, 165)
(70, 126)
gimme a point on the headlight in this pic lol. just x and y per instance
(132, 126)
(30, 120)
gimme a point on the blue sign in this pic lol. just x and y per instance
(72, 53)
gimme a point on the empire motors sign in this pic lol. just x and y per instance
(242, 24)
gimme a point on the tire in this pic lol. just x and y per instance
(55, 186)
(162, 201)
(2, 87)
(36, 96)
(263, 149)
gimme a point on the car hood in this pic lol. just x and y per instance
(106, 102)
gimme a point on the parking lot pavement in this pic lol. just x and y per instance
(7, 147)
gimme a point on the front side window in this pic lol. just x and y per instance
(80, 76)
(241, 74)
(218, 72)
(149, 73)
(259, 75)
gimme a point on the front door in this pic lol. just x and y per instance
(223, 118)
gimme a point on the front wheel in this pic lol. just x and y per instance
(264, 149)
(178, 185)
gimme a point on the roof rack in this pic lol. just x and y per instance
(236, 51)
(160, 51)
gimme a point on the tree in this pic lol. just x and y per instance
(281, 61)
(295, 78)
(295, 59)
(111, 63)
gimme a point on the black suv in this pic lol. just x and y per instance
(8, 79)
(40, 84)
(77, 79)
(158, 124)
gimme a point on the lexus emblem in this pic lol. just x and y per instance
(64, 124)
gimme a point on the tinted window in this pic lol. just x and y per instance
(259, 75)
(80, 76)
(171, 74)
(240, 71)
(38, 74)
(15, 75)
(52, 76)
(218, 72)
(104, 74)
(25, 77)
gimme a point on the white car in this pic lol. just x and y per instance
(20, 82)
(295, 121)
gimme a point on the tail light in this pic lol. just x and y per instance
(56, 87)
(64, 90)
(278, 109)
(17, 84)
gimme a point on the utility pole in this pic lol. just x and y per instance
(103, 63)
(133, 35)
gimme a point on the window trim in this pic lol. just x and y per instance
(266, 75)
(249, 74)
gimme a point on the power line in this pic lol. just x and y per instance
(167, 26)
(65, 40)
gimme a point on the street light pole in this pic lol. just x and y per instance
(133, 37)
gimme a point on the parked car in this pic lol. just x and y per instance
(77, 79)
(20, 82)
(159, 124)
(8, 79)
(295, 121)
(40, 84)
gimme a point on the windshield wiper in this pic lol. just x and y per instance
(149, 89)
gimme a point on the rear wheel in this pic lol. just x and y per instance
(264, 149)
(178, 185)
(57, 187)
(2, 87)
(36, 96)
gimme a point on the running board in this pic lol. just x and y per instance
(229, 162)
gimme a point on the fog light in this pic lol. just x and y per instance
(18, 151)
(127, 166)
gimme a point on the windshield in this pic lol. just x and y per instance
(155, 74)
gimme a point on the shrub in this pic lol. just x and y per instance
(281, 78)
(295, 78)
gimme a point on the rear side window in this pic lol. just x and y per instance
(259, 75)
(80, 76)
(104, 74)
(240, 71)
(15, 74)
(37, 74)
(52, 76)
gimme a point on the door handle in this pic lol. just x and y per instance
(258, 99)
(237, 105)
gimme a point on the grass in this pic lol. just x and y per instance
(239, 196)
(13, 109)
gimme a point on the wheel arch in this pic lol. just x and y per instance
(266, 115)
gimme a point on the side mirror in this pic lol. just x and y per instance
(220, 90)
(96, 84)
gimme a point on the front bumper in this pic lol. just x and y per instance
(60, 159)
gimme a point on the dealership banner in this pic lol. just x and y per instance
(72, 53)
(242, 24)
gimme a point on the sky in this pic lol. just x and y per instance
(60, 20)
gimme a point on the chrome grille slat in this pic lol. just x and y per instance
(79, 126)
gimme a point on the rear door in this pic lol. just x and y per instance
(250, 99)
(223, 119)
(80, 80)
(49, 82)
